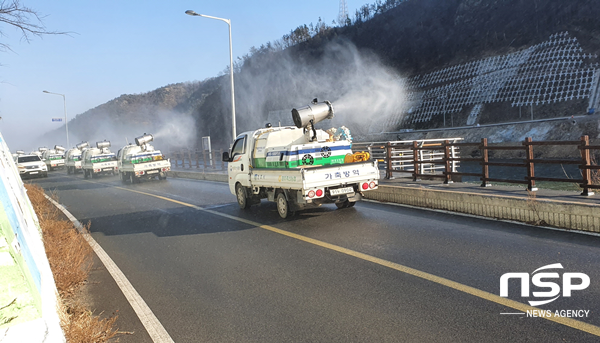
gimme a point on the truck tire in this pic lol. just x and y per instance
(85, 174)
(123, 177)
(283, 206)
(343, 204)
(162, 176)
(242, 196)
(132, 178)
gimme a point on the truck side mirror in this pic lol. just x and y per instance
(226, 157)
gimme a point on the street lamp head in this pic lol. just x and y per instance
(190, 12)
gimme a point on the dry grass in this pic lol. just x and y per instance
(84, 326)
(70, 258)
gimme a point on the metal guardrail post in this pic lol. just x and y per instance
(415, 149)
(447, 168)
(530, 165)
(484, 159)
(190, 159)
(388, 161)
(204, 159)
(197, 159)
(586, 173)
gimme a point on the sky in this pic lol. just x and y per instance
(129, 47)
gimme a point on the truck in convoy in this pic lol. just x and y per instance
(54, 158)
(299, 167)
(141, 161)
(98, 161)
(73, 158)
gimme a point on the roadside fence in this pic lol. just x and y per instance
(441, 159)
(197, 159)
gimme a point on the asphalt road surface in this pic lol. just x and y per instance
(211, 272)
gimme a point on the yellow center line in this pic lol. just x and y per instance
(579, 325)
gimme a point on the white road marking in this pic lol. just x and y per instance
(155, 329)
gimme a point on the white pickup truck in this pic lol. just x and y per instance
(54, 158)
(98, 161)
(141, 161)
(73, 158)
(298, 167)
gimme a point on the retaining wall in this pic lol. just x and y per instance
(20, 228)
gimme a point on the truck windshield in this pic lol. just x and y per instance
(29, 159)
(103, 158)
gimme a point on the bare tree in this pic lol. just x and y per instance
(25, 19)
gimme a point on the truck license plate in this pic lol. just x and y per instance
(152, 172)
(339, 191)
(107, 169)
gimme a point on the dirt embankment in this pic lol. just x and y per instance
(515, 134)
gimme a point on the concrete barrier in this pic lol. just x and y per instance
(559, 214)
(25, 255)
(198, 175)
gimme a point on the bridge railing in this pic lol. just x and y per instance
(441, 159)
(197, 159)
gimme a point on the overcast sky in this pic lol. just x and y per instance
(129, 47)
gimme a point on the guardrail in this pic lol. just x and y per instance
(427, 158)
(187, 158)
(423, 156)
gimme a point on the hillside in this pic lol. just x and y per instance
(366, 69)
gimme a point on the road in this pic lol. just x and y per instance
(211, 272)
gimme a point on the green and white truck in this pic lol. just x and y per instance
(141, 161)
(73, 158)
(54, 158)
(299, 166)
(98, 161)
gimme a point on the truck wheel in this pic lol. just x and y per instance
(242, 196)
(343, 204)
(162, 176)
(283, 206)
(351, 204)
(68, 170)
(122, 177)
(85, 174)
(132, 178)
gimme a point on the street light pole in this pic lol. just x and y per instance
(66, 121)
(192, 13)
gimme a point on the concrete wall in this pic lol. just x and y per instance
(20, 228)
(198, 176)
(560, 214)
